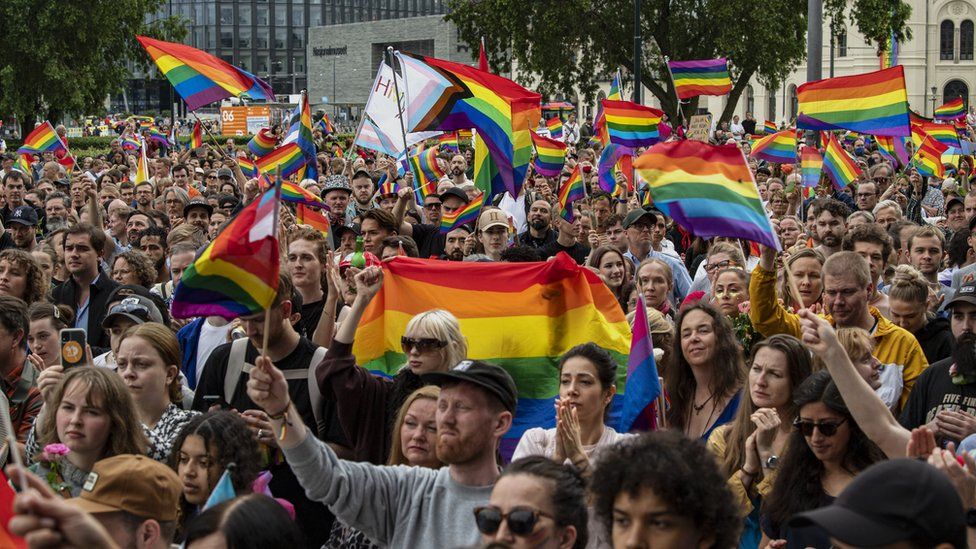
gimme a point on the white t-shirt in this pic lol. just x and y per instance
(892, 384)
(211, 337)
(542, 442)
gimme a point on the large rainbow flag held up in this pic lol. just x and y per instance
(262, 143)
(953, 110)
(875, 103)
(201, 78)
(701, 77)
(550, 155)
(445, 96)
(237, 274)
(779, 148)
(503, 308)
(630, 124)
(288, 158)
(838, 164)
(707, 189)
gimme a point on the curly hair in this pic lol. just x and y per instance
(798, 486)
(34, 289)
(568, 494)
(141, 264)
(681, 472)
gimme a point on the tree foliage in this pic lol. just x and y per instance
(573, 44)
(63, 57)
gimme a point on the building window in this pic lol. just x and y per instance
(298, 16)
(842, 43)
(261, 65)
(244, 15)
(261, 38)
(227, 39)
(281, 16)
(227, 15)
(966, 40)
(298, 38)
(262, 16)
(954, 89)
(244, 38)
(750, 99)
(946, 32)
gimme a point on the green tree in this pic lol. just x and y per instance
(559, 46)
(63, 57)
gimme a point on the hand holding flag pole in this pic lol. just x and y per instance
(267, 312)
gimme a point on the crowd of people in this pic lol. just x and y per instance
(798, 382)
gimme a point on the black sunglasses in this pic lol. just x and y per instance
(521, 520)
(826, 428)
(422, 344)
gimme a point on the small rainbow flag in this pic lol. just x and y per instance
(448, 140)
(630, 124)
(288, 158)
(130, 143)
(643, 384)
(464, 216)
(550, 155)
(610, 157)
(778, 148)
(875, 103)
(23, 163)
(41, 139)
(305, 215)
(262, 143)
(555, 125)
(615, 93)
(426, 171)
(196, 138)
(292, 192)
(707, 189)
(142, 165)
(248, 166)
(952, 110)
(700, 77)
(839, 165)
(325, 126)
(928, 157)
(811, 166)
(943, 133)
(571, 191)
(157, 135)
(769, 127)
(893, 148)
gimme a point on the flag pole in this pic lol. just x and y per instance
(267, 312)
(681, 114)
(396, 90)
(204, 126)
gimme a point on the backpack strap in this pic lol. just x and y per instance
(314, 393)
(235, 366)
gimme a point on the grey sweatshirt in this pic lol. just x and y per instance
(395, 506)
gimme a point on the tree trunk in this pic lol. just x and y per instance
(735, 94)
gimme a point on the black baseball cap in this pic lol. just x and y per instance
(343, 229)
(634, 215)
(488, 376)
(198, 202)
(455, 192)
(965, 294)
(891, 501)
(25, 215)
(362, 173)
(952, 201)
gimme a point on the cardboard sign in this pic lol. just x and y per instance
(699, 126)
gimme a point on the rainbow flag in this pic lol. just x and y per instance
(811, 166)
(467, 215)
(643, 385)
(237, 274)
(707, 189)
(157, 135)
(839, 165)
(286, 157)
(769, 128)
(889, 56)
(615, 93)
(130, 143)
(300, 133)
(571, 191)
(449, 140)
(555, 125)
(928, 158)
(292, 192)
(610, 158)
(325, 125)
(953, 110)
(305, 215)
(426, 171)
(42, 138)
(486, 175)
(502, 309)
(23, 163)
(196, 138)
(630, 124)
(701, 77)
(201, 78)
(248, 166)
(778, 148)
(893, 148)
(262, 143)
(457, 96)
(142, 165)
(550, 155)
(875, 103)
(943, 133)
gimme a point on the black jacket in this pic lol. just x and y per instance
(935, 338)
(67, 292)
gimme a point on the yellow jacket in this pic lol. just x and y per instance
(718, 443)
(893, 345)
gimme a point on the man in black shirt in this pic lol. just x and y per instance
(430, 241)
(567, 241)
(540, 233)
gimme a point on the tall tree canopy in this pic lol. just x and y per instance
(575, 43)
(65, 56)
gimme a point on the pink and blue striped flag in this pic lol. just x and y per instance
(639, 410)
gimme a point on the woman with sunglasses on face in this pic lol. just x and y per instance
(824, 453)
(749, 447)
(366, 404)
(535, 503)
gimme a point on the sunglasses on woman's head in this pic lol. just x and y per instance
(422, 344)
(521, 520)
(826, 428)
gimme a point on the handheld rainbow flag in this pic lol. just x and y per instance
(248, 167)
(643, 385)
(615, 88)
(839, 165)
(486, 175)
(237, 274)
(287, 157)
(449, 141)
(426, 171)
(42, 138)
(875, 103)
(157, 135)
(467, 215)
(571, 191)
(142, 165)
(943, 133)
(262, 143)
(300, 133)
(928, 158)
(550, 155)
(953, 110)
(292, 192)
(769, 127)
(610, 157)
(23, 163)
(811, 166)
(707, 189)
(7, 495)
(779, 148)
(559, 298)
(130, 143)
(889, 56)
(324, 125)
(701, 77)
(630, 124)
(196, 138)
(201, 78)
(305, 215)
(555, 125)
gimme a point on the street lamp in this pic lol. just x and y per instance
(934, 99)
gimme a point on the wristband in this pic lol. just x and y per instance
(282, 414)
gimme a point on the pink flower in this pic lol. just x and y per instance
(54, 452)
(744, 307)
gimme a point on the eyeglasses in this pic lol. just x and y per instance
(710, 267)
(422, 344)
(521, 520)
(433, 206)
(826, 428)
